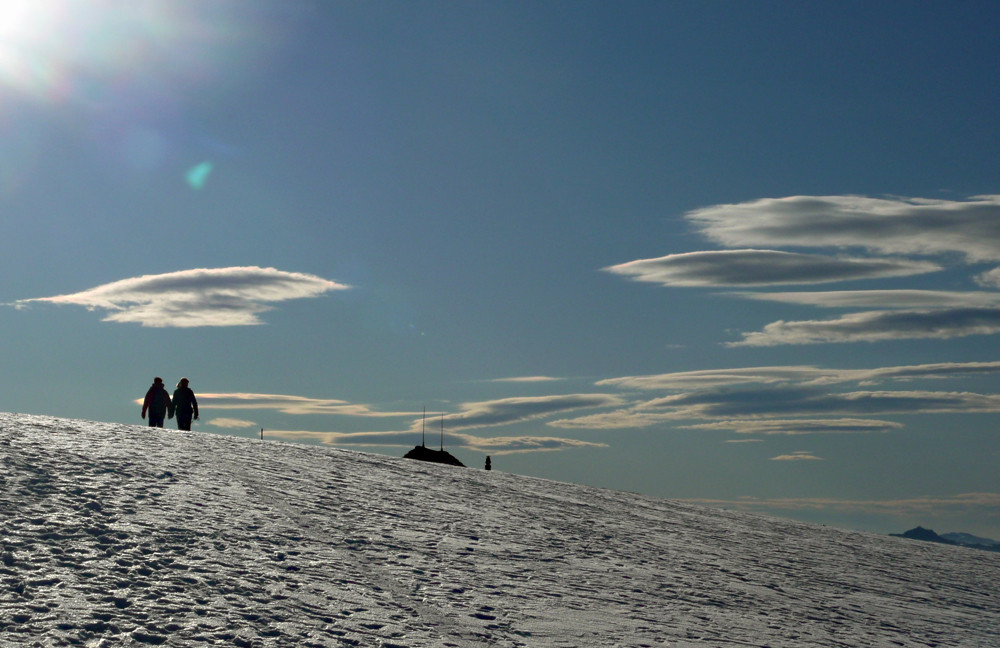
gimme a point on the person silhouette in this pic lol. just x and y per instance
(185, 405)
(157, 403)
(489, 465)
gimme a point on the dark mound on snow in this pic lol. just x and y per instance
(422, 453)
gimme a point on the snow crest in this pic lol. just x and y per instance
(117, 535)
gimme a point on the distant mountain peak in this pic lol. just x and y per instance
(960, 539)
(920, 533)
(969, 539)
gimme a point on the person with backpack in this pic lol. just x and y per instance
(184, 405)
(157, 403)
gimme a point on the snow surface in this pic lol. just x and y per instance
(117, 535)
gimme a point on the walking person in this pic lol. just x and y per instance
(157, 403)
(185, 405)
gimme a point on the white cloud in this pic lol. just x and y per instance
(762, 268)
(802, 400)
(882, 299)
(233, 296)
(527, 379)
(886, 225)
(289, 404)
(231, 423)
(472, 415)
(958, 229)
(684, 380)
(799, 426)
(384, 438)
(487, 445)
(800, 455)
(521, 444)
(878, 326)
(931, 371)
(515, 410)
(986, 504)
(623, 419)
(789, 399)
(990, 279)
(802, 374)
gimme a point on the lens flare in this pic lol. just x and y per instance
(197, 176)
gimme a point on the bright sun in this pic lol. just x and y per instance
(25, 21)
(33, 37)
(59, 49)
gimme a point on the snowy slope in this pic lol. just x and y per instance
(117, 535)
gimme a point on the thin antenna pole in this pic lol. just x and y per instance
(442, 432)
(423, 434)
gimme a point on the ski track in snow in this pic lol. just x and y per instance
(116, 535)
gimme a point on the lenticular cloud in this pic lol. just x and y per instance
(886, 225)
(201, 297)
(762, 268)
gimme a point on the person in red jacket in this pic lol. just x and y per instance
(157, 403)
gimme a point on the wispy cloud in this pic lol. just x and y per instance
(526, 379)
(882, 299)
(986, 504)
(289, 404)
(233, 296)
(935, 370)
(383, 438)
(807, 401)
(795, 399)
(799, 426)
(802, 374)
(231, 423)
(471, 415)
(990, 279)
(489, 413)
(784, 410)
(970, 228)
(955, 230)
(621, 419)
(522, 444)
(491, 445)
(519, 409)
(685, 380)
(878, 326)
(762, 268)
(799, 455)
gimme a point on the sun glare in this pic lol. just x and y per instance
(25, 25)
(86, 50)
(39, 43)
(21, 18)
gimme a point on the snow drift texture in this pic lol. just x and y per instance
(118, 535)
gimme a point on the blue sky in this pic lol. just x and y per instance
(742, 253)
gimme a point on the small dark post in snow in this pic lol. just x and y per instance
(442, 432)
(262, 434)
(423, 434)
